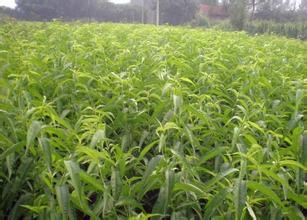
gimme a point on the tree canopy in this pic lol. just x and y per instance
(173, 12)
(99, 10)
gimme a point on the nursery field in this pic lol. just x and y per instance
(114, 121)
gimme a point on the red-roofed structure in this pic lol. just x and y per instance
(213, 11)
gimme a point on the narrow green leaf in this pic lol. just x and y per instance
(62, 195)
(107, 201)
(236, 133)
(162, 141)
(153, 163)
(220, 176)
(86, 178)
(304, 150)
(294, 213)
(14, 148)
(240, 192)
(99, 136)
(44, 143)
(74, 170)
(264, 190)
(251, 211)
(188, 187)
(214, 203)
(177, 102)
(116, 183)
(165, 193)
(95, 154)
(211, 154)
(146, 150)
(33, 131)
(35, 209)
(299, 199)
(292, 163)
(184, 79)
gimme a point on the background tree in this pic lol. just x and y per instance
(275, 10)
(100, 10)
(238, 14)
(37, 9)
(177, 11)
(209, 2)
(173, 12)
(303, 10)
(6, 12)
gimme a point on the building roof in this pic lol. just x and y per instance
(213, 10)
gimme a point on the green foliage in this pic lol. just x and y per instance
(202, 21)
(208, 2)
(6, 13)
(238, 14)
(97, 10)
(177, 11)
(108, 121)
(173, 12)
(294, 30)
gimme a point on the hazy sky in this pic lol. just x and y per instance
(8, 3)
(11, 3)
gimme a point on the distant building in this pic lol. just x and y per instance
(211, 11)
(214, 11)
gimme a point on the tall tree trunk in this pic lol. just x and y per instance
(88, 10)
(158, 13)
(143, 12)
(253, 9)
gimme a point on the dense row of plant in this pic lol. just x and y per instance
(125, 121)
(291, 29)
